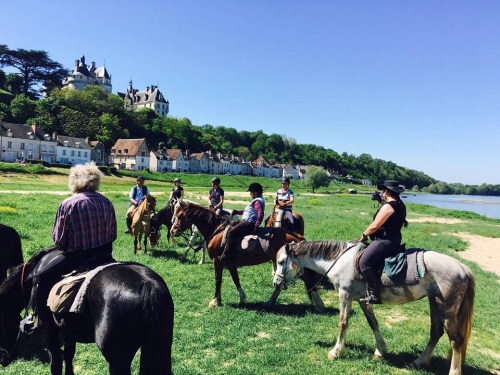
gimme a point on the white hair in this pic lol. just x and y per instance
(84, 177)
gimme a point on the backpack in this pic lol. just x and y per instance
(144, 191)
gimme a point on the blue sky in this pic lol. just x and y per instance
(413, 82)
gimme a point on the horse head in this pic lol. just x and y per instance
(288, 267)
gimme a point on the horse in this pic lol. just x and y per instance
(165, 217)
(141, 222)
(448, 284)
(278, 216)
(212, 228)
(128, 306)
(12, 252)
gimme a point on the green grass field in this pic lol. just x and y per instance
(289, 338)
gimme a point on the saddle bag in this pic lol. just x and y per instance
(63, 294)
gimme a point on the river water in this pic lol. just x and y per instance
(488, 206)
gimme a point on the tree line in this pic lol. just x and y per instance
(101, 116)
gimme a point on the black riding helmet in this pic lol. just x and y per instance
(255, 187)
(177, 180)
(216, 180)
(285, 180)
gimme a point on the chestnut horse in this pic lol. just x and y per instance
(128, 306)
(12, 253)
(212, 228)
(279, 219)
(141, 222)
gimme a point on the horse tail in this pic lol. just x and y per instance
(158, 315)
(465, 311)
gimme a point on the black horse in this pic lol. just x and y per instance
(128, 307)
(11, 253)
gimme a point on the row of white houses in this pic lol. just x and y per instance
(19, 143)
(133, 154)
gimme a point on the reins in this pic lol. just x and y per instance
(329, 269)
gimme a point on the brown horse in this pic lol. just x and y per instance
(165, 216)
(212, 228)
(141, 222)
(12, 253)
(278, 219)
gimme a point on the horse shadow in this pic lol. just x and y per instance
(166, 253)
(403, 360)
(286, 310)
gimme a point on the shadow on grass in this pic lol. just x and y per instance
(286, 310)
(402, 360)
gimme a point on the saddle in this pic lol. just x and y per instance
(252, 243)
(406, 268)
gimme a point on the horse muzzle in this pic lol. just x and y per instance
(280, 282)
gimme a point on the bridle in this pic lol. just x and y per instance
(286, 268)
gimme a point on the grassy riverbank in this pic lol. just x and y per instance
(289, 338)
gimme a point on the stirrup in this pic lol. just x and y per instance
(27, 325)
(371, 300)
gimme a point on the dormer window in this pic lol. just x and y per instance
(78, 145)
(66, 143)
(47, 137)
(125, 150)
(9, 133)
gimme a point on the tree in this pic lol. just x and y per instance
(34, 66)
(316, 177)
(22, 109)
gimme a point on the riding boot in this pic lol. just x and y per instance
(372, 288)
(129, 225)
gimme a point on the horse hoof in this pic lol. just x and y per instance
(214, 303)
(201, 262)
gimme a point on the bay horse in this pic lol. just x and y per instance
(212, 228)
(12, 252)
(448, 284)
(279, 219)
(128, 307)
(141, 222)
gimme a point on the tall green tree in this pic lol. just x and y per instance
(33, 66)
(316, 177)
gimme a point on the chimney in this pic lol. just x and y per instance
(54, 135)
(34, 127)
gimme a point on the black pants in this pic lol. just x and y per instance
(241, 229)
(62, 264)
(376, 252)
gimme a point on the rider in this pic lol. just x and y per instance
(216, 196)
(385, 233)
(177, 190)
(285, 198)
(135, 196)
(84, 227)
(253, 215)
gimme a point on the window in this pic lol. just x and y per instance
(79, 153)
(72, 152)
(23, 145)
(142, 160)
(9, 144)
(52, 149)
(44, 148)
(30, 146)
(85, 154)
(64, 152)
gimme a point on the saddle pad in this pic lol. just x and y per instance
(78, 304)
(415, 269)
(257, 244)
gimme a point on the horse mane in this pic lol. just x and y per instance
(206, 215)
(327, 250)
(15, 277)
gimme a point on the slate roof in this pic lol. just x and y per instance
(73, 142)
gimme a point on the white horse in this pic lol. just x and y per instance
(448, 284)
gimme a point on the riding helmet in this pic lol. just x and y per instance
(285, 180)
(177, 180)
(255, 187)
(216, 180)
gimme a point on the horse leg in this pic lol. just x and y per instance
(218, 268)
(55, 352)
(310, 282)
(135, 244)
(344, 311)
(372, 321)
(203, 253)
(437, 330)
(233, 270)
(145, 243)
(69, 354)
